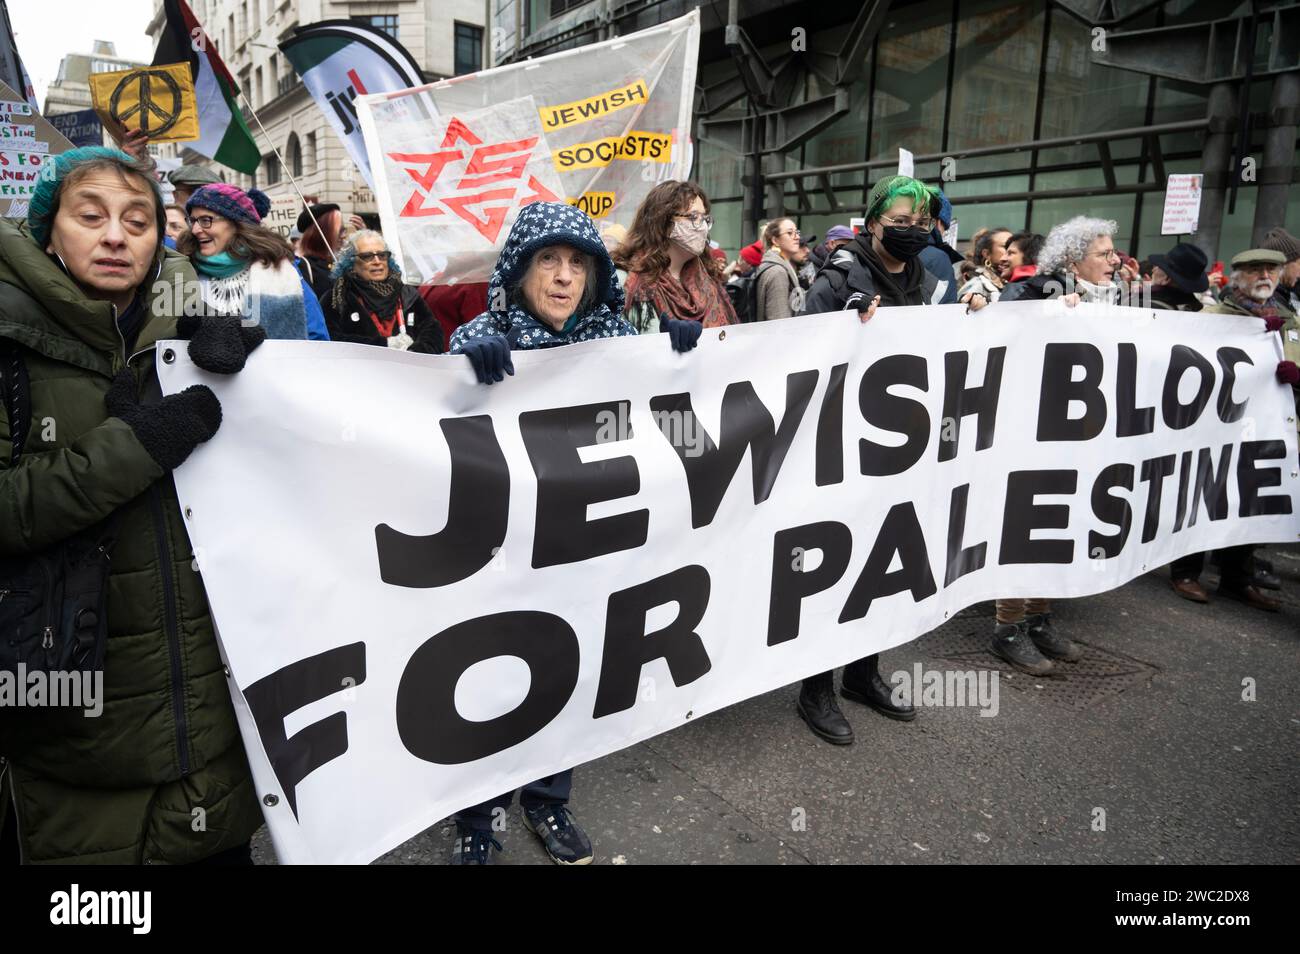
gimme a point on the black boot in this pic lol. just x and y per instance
(1050, 642)
(862, 683)
(1011, 642)
(817, 707)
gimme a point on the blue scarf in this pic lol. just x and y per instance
(221, 265)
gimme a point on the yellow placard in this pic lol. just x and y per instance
(645, 146)
(156, 99)
(595, 204)
(585, 110)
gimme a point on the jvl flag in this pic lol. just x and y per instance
(597, 127)
(223, 134)
(340, 60)
(156, 99)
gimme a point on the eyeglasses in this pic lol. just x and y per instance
(695, 218)
(1109, 254)
(794, 232)
(906, 222)
(371, 256)
(202, 221)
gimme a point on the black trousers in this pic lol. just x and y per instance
(1236, 565)
(861, 669)
(545, 791)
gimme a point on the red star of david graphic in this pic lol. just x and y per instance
(496, 163)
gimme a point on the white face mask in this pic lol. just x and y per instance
(690, 237)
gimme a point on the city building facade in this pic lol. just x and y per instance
(1026, 111)
(70, 90)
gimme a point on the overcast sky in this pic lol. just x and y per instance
(47, 29)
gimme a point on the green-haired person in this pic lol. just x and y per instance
(879, 267)
(882, 263)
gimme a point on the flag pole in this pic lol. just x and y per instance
(285, 166)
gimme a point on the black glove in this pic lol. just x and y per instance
(171, 429)
(219, 344)
(490, 356)
(684, 334)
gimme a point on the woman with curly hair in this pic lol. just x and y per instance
(1078, 263)
(669, 268)
(245, 270)
(369, 304)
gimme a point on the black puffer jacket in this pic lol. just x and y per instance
(357, 326)
(846, 280)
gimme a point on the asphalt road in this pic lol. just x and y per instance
(1144, 752)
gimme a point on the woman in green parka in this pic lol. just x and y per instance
(86, 289)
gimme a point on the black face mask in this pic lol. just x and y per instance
(903, 242)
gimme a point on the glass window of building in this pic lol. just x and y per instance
(293, 155)
(469, 48)
(385, 21)
(995, 74)
(563, 6)
(272, 170)
(911, 79)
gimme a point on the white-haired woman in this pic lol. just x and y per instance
(368, 304)
(1078, 263)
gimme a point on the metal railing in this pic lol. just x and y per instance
(1102, 141)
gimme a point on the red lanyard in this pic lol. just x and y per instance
(385, 328)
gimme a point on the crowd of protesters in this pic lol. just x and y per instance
(81, 308)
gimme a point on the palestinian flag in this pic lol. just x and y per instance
(223, 134)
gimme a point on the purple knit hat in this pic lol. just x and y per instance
(231, 202)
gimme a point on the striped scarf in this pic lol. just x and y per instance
(264, 295)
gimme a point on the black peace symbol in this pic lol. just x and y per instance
(154, 119)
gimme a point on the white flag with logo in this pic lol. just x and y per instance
(340, 60)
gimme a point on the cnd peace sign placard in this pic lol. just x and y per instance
(158, 100)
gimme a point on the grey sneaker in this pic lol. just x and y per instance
(1011, 642)
(1050, 642)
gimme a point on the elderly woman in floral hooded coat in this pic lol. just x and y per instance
(554, 284)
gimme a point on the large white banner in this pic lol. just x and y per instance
(430, 591)
(597, 127)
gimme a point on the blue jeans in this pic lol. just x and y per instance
(545, 791)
